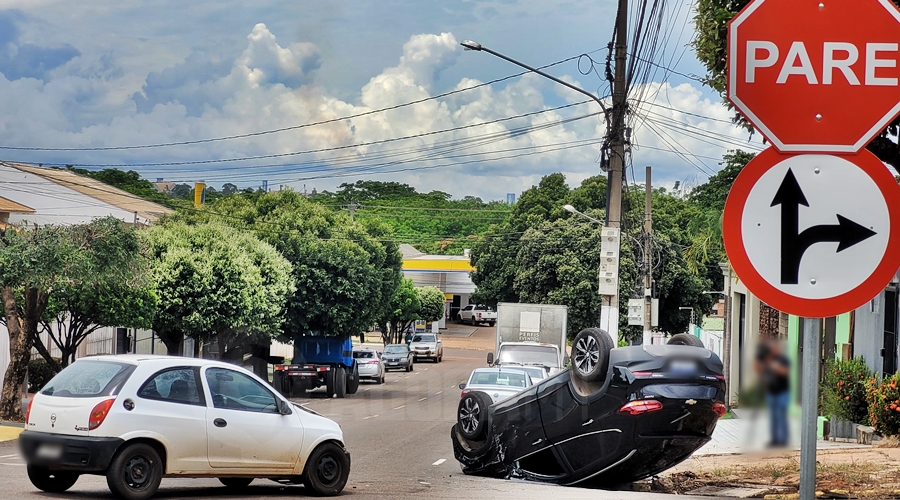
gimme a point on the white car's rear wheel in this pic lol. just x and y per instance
(135, 472)
(326, 470)
(51, 481)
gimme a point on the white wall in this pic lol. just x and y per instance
(53, 203)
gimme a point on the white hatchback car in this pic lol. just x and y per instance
(137, 419)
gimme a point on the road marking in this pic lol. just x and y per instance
(369, 389)
(370, 416)
(14, 455)
(13, 464)
(439, 392)
(423, 482)
(399, 407)
(439, 462)
(423, 399)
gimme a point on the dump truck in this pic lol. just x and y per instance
(319, 361)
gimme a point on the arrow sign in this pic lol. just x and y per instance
(794, 243)
(837, 215)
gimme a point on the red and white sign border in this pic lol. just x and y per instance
(745, 110)
(811, 308)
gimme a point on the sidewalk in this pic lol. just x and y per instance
(10, 431)
(750, 435)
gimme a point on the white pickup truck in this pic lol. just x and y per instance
(475, 315)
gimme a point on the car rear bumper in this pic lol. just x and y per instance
(369, 372)
(78, 453)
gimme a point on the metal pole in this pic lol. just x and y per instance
(648, 269)
(726, 335)
(809, 396)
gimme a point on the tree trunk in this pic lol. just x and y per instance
(21, 332)
(42, 350)
(174, 342)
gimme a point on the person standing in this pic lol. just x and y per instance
(774, 369)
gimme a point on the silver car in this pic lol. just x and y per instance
(427, 345)
(370, 365)
(497, 382)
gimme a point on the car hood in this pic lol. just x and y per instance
(497, 393)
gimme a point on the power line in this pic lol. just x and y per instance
(293, 127)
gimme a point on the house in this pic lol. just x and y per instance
(38, 196)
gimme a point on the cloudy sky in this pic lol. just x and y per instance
(90, 76)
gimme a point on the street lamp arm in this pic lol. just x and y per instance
(469, 45)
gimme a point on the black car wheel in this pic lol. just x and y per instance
(51, 481)
(340, 382)
(590, 354)
(135, 472)
(236, 482)
(327, 470)
(472, 414)
(685, 339)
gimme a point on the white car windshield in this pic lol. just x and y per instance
(424, 338)
(396, 349)
(526, 354)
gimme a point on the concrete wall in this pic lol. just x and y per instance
(52, 202)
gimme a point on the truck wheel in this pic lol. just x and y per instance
(685, 339)
(471, 415)
(329, 382)
(340, 382)
(353, 379)
(491, 324)
(590, 354)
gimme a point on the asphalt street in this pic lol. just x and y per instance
(398, 435)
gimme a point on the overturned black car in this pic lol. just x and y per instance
(617, 415)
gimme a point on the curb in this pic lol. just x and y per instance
(12, 424)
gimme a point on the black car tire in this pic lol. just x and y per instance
(472, 415)
(353, 379)
(51, 481)
(590, 354)
(236, 482)
(135, 472)
(685, 339)
(327, 470)
(380, 380)
(340, 382)
(491, 324)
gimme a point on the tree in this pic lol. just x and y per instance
(129, 181)
(229, 189)
(344, 272)
(404, 310)
(182, 191)
(711, 46)
(215, 282)
(714, 192)
(34, 264)
(431, 299)
(111, 295)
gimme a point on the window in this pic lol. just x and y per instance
(396, 349)
(363, 355)
(482, 308)
(89, 379)
(424, 338)
(468, 308)
(233, 390)
(173, 385)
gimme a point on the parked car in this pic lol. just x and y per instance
(617, 415)
(370, 364)
(427, 345)
(476, 315)
(398, 357)
(499, 383)
(135, 419)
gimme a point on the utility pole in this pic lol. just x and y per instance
(352, 207)
(648, 261)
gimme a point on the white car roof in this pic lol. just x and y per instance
(155, 359)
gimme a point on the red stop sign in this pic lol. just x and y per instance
(816, 75)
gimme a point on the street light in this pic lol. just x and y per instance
(692, 316)
(570, 208)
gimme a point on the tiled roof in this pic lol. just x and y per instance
(11, 206)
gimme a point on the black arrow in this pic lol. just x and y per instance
(794, 243)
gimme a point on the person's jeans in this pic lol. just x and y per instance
(778, 405)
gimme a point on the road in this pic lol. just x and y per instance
(398, 435)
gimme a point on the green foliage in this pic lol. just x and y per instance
(39, 373)
(431, 300)
(344, 272)
(214, 280)
(844, 390)
(404, 309)
(713, 193)
(884, 404)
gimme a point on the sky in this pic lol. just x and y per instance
(93, 80)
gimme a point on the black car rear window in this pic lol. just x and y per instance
(89, 379)
(363, 354)
(680, 391)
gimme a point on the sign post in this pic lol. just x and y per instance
(811, 233)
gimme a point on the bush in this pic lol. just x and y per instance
(884, 404)
(39, 373)
(844, 390)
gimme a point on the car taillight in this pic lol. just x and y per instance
(28, 410)
(279, 368)
(99, 413)
(642, 374)
(373, 362)
(463, 394)
(642, 406)
(719, 409)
